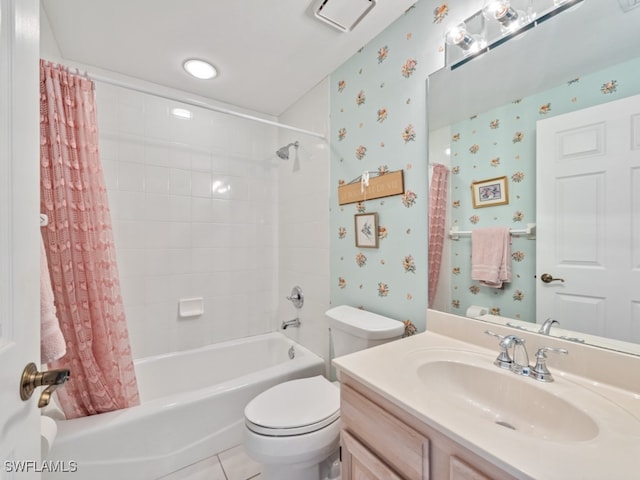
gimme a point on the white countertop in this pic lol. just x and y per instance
(613, 453)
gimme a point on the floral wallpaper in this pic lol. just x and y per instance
(501, 142)
(378, 125)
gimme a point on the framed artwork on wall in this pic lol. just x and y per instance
(366, 230)
(491, 192)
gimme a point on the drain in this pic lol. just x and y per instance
(505, 425)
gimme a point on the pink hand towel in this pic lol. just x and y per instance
(491, 256)
(52, 344)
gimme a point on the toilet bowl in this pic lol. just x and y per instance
(293, 429)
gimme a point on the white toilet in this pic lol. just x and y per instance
(293, 429)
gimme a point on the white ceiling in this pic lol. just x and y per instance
(268, 52)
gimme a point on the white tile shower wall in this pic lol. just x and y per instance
(194, 209)
(303, 208)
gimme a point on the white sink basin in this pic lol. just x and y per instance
(575, 427)
(484, 392)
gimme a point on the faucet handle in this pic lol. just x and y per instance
(489, 332)
(297, 297)
(503, 360)
(540, 371)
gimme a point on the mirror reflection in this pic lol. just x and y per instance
(485, 119)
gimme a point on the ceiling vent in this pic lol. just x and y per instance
(342, 15)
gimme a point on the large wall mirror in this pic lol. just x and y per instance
(483, 118)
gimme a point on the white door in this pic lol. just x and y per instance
(588, 214)
(19, 234)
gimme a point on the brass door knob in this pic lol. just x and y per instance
(546, 278)
(32, 378)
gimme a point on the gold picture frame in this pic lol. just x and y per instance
(490, 192)
(366, 228)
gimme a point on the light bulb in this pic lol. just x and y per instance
(501, 11)
(458, 35)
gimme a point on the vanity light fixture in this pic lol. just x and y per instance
(200, 69)
(502, 12)
(468, 37)
(496, 23)
(458, 35)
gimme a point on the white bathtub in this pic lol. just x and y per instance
(191, 407)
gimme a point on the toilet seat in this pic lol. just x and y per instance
(295, 407)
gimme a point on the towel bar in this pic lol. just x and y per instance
(530, 231)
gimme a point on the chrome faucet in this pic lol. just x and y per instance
(520, 362)
(291, 323)
(546, 326)
(540, 371)
(503, 360)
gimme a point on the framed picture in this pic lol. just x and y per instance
(487, 193)
(366, 230)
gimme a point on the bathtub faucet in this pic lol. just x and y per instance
(291, 323)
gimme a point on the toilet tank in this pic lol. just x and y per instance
(353, 329)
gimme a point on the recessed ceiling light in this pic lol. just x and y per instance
(200, 69)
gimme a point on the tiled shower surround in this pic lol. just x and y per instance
(194, 208)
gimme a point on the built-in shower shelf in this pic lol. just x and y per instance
(190, 307)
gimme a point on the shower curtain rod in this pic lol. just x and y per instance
(198, 103)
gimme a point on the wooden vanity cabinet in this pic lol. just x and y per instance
(381, 441)
(370, 432)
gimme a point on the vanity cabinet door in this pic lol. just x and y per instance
(459, 470)
(381, 441)
(385, 437)
(359, 463)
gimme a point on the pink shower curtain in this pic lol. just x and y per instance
(80, 249)
(437, 217)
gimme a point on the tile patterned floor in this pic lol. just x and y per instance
(232, 464)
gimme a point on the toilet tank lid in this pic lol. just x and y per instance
(363, 324)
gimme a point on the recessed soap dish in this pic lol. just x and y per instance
(190, 307)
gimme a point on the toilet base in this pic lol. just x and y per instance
(328, 469)
(312, 456)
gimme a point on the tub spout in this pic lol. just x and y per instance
(291, 323)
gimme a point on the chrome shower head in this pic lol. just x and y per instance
(283, 152)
